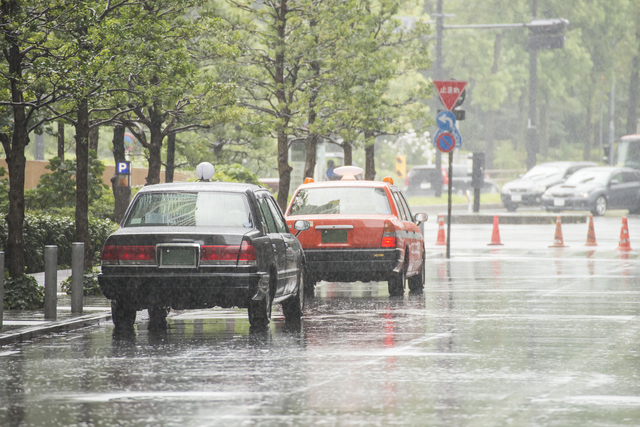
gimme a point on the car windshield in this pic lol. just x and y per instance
(542, 172)
(340, 200)
(591, 176)
(206, 208)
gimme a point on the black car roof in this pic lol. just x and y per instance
(201, 186)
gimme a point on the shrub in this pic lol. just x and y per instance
(90, 284)
(40, 230)
(22, 293)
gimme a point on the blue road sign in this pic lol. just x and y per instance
(446, 121)
(123, 167)
(445, 142)
(457, 136)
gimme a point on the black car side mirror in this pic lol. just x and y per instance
(301, 225)
(421, 217)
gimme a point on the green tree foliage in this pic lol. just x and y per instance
(235, 173)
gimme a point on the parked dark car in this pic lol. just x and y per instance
(199, 245)
(420, 181)
(527, 190)
(596, 190)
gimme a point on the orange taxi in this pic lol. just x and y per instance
(360, 230)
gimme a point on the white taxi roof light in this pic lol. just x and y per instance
(205, 171)
(348, 172)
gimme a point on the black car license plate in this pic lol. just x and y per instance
(334, 236)
(178, 257)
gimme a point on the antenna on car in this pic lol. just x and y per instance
(205, 171)
(348, 173)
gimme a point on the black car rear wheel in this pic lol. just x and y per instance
(396, 283)
(511, 207)
(122, 315)
(293, 307)
(260, 312)
(416, 283)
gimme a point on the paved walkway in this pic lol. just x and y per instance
(24, 325)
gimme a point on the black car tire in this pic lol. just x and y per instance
(416, 283)
(123, 317)
(600, 207)
(293, 307)
(396, 283)
(511, 207)
(309, 284)
(158, 317)
(260, 312)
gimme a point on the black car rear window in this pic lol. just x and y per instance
(340, 200)
(205, 208)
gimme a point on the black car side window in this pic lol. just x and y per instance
(281, 225)
(268, 221)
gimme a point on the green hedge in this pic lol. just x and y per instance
(41, 230)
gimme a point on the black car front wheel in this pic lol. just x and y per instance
(600, 206)
(122, 315)
(293, 307)
(158, 317)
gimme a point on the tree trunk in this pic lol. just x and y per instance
(588, 128)
(94, 137)
(121, 194)
(348, 153)
(156, 137)
(369, 152)
(544, 127)
(16, 163)
(284, 169)
(82, 180)
(171, 158)
(61, 141)
(490, 142)
(311, 144)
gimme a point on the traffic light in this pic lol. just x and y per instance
(401, 166)
(547, 33)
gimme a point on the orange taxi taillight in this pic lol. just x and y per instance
(388, 236)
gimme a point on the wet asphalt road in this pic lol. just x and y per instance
(518, 335)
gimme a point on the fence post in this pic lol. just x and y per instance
(50, 282)
(1, 288)
(77, 276)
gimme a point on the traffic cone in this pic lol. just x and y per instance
(440, 241)
(591, 233)
(625, 242)
(558, 241)
(495, 236)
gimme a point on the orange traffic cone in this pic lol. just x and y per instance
(495, 236)
(625, 242)
(558, 241)
(440, 241)
(591, 233)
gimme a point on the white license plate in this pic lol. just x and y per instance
(425, 185)
(558, 202)
(516, 198)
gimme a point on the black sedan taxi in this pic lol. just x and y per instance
(596, 190)
(199, 245)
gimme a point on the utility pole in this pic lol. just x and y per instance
(438, 76)
(532, 131)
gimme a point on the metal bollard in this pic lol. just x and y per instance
(50, 282)
(1, 288)
(77, 276)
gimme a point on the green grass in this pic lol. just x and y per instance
(455, 199)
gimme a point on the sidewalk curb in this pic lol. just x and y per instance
(29, 333)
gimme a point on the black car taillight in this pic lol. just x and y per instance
(219, 254)
(247, 254)
(110, 255)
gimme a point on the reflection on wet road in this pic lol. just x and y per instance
(494, 340)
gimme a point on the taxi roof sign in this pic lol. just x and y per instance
(449, 91)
